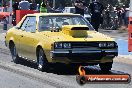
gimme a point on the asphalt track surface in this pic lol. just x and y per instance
(25, 74)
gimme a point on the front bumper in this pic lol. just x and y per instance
(84, 55)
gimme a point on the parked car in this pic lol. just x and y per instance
(72, 10)
(60, 38)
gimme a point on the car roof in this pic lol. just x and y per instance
(51, 14)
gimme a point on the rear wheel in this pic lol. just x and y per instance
(14, 54)
(106, 67)
(42, 61)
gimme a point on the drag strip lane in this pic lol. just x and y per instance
(4, 51)
(60, 78)
(34, 74)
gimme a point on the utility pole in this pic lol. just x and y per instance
(10, 17)
(54, 3)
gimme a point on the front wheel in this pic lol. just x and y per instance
(106, 67)
(42, 61)
(14, 54)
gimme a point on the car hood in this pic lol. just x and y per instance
(71, 33)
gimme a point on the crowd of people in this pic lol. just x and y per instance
(108, 17)
(95, 9)
(32, 5)
(105, 17)
(115, 17)
(44, 7)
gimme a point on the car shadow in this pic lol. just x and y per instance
(61, 69)
(27, 63)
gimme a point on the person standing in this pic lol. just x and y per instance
(43, 7)
(5, 22)
(79, 7)
(49, 9)
(33, 5)
(96, 10)
(124, 15)
(15, 7)
(119, 12)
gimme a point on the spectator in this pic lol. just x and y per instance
(49, 9)
(96, 9)
(5, 22)
(119, 12)
(15, 7)
(24, 5)
(33, 5)
(107, 14)
(79, 7)
(124, 15)
(43, 7)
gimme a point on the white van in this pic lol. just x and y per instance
(72, 10)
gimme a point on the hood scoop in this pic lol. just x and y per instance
(77, 31)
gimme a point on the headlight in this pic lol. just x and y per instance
(106, 44)
(58, 45)
(102, 45)
(110, 44)
(67, 45)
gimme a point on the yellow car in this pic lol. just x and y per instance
(60, 38)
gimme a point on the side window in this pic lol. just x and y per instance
(24, 24)
(31, 25)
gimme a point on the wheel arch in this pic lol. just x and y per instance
(37, 50)
(10, 43)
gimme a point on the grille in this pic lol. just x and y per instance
(84, 44)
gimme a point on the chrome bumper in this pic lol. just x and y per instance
(97, 54)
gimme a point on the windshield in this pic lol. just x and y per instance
(48, 22)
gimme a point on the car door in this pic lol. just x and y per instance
(27, 40)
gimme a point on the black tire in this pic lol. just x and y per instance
(81, 80)
(74, 67)
(42, 62)
(14, 54)
(106, 67)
